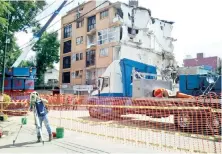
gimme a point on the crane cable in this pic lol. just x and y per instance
(71, 21)
(23, 46)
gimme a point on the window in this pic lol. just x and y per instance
(91, 23)
(80, 56)
(90, 58)
(79, 40)
(105, 82)
(78, 74)
(103, 36)
(67, 46)
(74, 57)
(66, 62)
(78, 15)
(77, 57)
(66, 77)
(104, 14)
(67, 31)
(73, 74)
(108, 35)
(104, 52)
(79, 23)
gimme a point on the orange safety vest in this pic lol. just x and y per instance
(158, 92)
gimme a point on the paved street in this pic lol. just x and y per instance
(72, 142)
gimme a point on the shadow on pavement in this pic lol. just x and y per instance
(24, 144)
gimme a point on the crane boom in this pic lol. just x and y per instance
(37, 36)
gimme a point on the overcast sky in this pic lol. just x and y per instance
(197, 28)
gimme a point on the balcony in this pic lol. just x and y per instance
(91, 29)
(91, 42)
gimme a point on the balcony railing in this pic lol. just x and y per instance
(90, 27)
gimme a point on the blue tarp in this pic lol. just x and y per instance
(126, 66)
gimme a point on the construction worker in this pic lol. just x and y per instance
(161, 92)
(42, 112)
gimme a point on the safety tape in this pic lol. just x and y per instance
(135, 141)
(212, 138)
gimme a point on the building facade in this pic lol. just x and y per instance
(200, 60)
(89, 44)
(51, 77)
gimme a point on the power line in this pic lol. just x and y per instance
(49, 6)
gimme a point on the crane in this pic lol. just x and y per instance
(37, 36)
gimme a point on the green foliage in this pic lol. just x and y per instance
(4, 9)
(22, 16)
(28, 63)
(47, 53)
(6, 100)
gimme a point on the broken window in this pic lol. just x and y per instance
(119, 12)
(79, 40)
(108, 35)
(66, 77)
(104, 14)
(67, 31)
(66, 62)
(132, 31)
(67, 46)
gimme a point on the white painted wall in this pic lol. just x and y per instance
(51, 74)
(161, 39)
(137, 17)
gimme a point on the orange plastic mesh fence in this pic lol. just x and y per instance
(179, 125)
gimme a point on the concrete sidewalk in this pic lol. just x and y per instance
(73, 142)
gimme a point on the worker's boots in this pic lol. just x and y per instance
(50, 137)
(39, 139)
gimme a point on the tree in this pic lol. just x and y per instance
(47, 53)
(22, 16)
(4, 9)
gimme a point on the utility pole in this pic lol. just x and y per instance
(4, 58)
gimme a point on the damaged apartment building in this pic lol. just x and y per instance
(112, 31)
